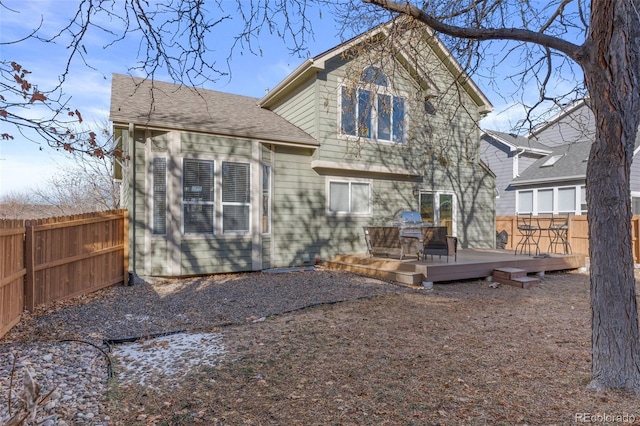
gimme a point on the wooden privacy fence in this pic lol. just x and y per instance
(45, 260)
(578, 234)
(12, 273)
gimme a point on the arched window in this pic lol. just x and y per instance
(371, 110)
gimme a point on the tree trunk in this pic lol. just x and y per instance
(611, 73)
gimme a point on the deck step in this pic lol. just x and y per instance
(404, 277)
(514, 277)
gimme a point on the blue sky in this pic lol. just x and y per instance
(25, 164)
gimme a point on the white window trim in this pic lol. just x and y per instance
(223, 203)
(349, 181)
(436, 208)
(217, 228)
(270, 189)
(344, 83)
(577, 210)
(151, 184)
(216, 196)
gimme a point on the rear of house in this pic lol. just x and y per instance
(216, 182)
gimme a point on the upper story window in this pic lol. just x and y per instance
(371, 110)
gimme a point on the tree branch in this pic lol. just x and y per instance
(570, 49)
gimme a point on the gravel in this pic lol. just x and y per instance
(70, 346)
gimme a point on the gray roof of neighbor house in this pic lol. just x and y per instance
(165, 105)
(564, 163)
(518, 142)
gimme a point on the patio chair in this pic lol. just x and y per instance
(436, 241)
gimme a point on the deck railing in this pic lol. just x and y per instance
(45, 260)
(578, 234)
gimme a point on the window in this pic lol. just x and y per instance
(198, 196)
(349, 197)
(266, 199)
(552, 200)
(551, 160)
(371, 111)
(525, 202)
(567, 200)
(236, 197)
(545, 201)
(159, 185)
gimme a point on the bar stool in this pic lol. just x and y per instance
(558, 233)
(529, 232)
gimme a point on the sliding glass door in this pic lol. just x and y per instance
(438, 208)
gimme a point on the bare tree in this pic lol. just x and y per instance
(548, 40)
(609, 56)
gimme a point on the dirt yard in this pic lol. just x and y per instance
(461, 354)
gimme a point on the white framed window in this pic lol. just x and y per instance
(545, 201)
(349, 197)
(552, 200)
(583, 199)
(567, 200)
(635, 203)
(236, 197)
(371, 110)
(159, 196)
(266, 199)
(198, 196)
(524, 202)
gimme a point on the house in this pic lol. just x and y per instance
(385, 122)
(545, 171)
(508, 156)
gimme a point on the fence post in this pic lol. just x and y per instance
(29, 261)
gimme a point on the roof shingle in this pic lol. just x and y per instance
(166, 105)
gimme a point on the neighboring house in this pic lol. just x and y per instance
(552, 178)
(508, 156)
(216, 182)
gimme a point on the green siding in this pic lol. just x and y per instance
(442, 144)
(215, 255)
(300, 108)
(198, 144)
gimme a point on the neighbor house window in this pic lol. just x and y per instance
(552, 200)
(236, 197)
(525, 202)
(567, 200)
(371, 110)
(635, 203)
(349, 197)
(198, 196)
(266, 199)
(159, 185)
(545, 200)
(583, 199)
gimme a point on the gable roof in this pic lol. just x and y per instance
(564, 163)
(317, 63)
(171, 106)
(518, 143)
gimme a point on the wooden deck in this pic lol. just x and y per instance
(471, 264)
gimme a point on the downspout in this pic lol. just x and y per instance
(132, 207)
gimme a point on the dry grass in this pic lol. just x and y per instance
(463, 353)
